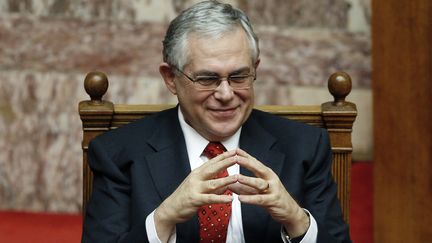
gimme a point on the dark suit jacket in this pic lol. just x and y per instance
(140, 164)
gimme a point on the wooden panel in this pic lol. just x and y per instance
(402, 86)
(340, 169)
(311, 115)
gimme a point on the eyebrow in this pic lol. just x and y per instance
(212, 73)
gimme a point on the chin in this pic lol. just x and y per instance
(224, 132)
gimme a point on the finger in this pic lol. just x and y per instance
(214, 198)
(225, 155)
(217, 164)
(255, 166)
(241, 189)
(258, 184)
(263, 200)
(219, 185)
(243, 153)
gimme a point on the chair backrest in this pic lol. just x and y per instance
(338, 116)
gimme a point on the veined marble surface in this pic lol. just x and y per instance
(48, 46)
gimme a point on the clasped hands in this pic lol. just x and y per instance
(201, 187)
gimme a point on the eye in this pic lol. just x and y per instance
(238, 78)
(207, 80)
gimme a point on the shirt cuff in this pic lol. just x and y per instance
(152, 233)
(311, 234)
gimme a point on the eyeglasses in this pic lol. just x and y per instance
(203, 82)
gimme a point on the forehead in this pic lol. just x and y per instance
(224, 53)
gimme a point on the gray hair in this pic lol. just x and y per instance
(210, 19)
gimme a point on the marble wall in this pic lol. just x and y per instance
(47, 47)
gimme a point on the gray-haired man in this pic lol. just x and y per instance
(153, 182)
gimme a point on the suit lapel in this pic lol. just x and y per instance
(256, 141)
(169, 165)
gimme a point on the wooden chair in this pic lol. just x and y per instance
(338, 116)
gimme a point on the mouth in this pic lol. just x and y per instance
(224, 113)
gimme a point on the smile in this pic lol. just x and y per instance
(224, 113)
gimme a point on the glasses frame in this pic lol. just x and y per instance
(194, 80)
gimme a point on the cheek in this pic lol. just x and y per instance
(246, 95)
(193, 99)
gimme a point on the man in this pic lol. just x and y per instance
(166, 178)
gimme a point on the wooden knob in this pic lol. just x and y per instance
(96, 85)
(339, 85)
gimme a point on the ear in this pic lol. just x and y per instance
(257, 63)
(168, 77)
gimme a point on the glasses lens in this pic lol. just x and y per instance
(241, 82)
(212, 82)
(207, 82)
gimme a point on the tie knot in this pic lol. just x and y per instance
(213, 149)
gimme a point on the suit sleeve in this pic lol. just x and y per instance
(321, 194)
(108, 211)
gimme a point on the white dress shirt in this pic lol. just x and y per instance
(195, 145)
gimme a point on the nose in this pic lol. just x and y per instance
(224, 92)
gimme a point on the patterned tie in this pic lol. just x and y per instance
(214, 218)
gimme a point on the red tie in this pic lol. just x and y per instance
(214, 218)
